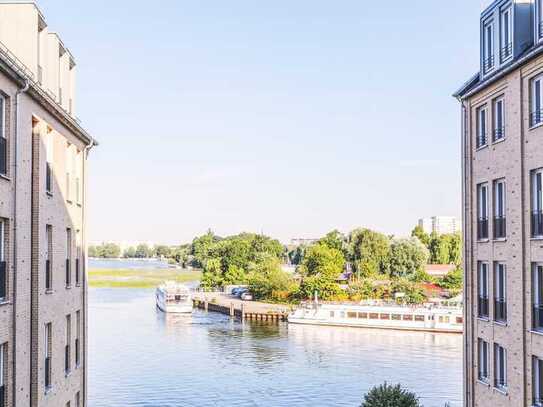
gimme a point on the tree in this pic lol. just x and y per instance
(439, 249)
(407, 257)
(369, 252)
(296, 256)
(93, 251)
(269, 282)
(453, 280)
(143, 251)
(129, 253)
(419, 232)
(163, 251)
(390, 396)
(334, 240)
(201, 247)
(320, 269)
(455, 250)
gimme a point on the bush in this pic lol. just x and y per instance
(390, 396)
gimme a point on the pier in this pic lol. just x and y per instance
(236, 308)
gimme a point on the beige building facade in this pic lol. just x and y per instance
(43, 172)
(502, 154)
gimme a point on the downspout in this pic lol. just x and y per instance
(523, 236)
(86, 151)
(14, 302)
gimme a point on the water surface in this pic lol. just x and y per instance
(139, 356)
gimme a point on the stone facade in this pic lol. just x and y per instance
(42, 132)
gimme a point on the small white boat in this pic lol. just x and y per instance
(173, 297)
(427, 317)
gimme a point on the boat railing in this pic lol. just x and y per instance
(381, 303)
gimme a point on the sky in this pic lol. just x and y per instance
(289, 118)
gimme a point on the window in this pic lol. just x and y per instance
(48, 350)
(68, 333)
(3, 370)
(77, 258)
(500, 367)
(68, 257)
(537, 296)
(351, 314)
(499, 209)
(506, 34)
(407, 317)
(396, 317)
(539, 6)
(384, 316)
(77, 399)
(537, 381)
(374, 316)
(3, 138)
(49, 164)
(69, 163)
(363, 315)
(48, 258)
(419, 318)
(482, 279)
(481, 126)
(482, 211)
(484, 367)
(488, 46)
(68, 404)
(499, 119)
(77, 339)
(500, 299)
(536, 114)
(78, 164)
(537, 203)
(3, 263)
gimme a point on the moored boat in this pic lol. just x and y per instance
(174, 298)
(426, 317)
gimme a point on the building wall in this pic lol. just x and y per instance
(512, 159)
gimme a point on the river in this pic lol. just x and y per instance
(141, 357)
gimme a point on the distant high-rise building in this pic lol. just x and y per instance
(440, 224)
(43, 173)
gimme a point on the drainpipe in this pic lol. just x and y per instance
(86, 151)
(14, 300)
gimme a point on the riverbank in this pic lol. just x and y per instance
(139, 278)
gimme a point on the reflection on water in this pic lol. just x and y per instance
(142, 357)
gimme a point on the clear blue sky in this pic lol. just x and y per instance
(287, 117)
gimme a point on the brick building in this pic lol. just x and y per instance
(502, 148)
(43, 170)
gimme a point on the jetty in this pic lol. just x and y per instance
(236, 308)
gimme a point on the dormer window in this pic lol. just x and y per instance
(488, 46)
(506, 34)
(539, 19)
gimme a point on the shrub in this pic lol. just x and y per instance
(390, 396)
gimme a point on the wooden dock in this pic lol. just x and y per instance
(252, 310)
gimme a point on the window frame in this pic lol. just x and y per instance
(537, 381)
(505, 46)
(500, 357)
(3, 133)
(536, 202)
(537, 295)
(483, 359)
(482, 134)
(498, 133)
(500, 288)
(499, 215)
(536, 103)
(483, 285)
(488, 46)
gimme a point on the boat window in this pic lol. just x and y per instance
(419, 318)
(459, 320)
(396, 317)
(342, 314)
(374, 316)
(351, 314)
(385, 316)
(331, 314)
(363, 315)
(408, 317)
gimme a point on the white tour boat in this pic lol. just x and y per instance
(173, 297)
(375, 314)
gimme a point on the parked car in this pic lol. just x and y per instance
(237, 291)
(246, 296)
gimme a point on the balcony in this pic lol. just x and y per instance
(488, 64)
(482, 307)
(48, 276)
(536, 117)
(537, 223)
(3, 281)
(68, 274)
(498, 134)
(482, 229)
(506, 52)
(500, 310)
(499, 227)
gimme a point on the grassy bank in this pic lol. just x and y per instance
(139, 278)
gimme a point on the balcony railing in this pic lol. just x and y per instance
(482, 229)
(3, 156)
(48, 275)
(481, 140)
(537, 223)
(3, 281)
(506, 52)
(48, 176)
(500, 310)
(77, 272)
(536, 117)
(541, 29)
(488, 64)
(48, 372)
(482, 307)
(499, 227)
(67, 359)
(68, 274)
(499, 133)
(537, 317)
